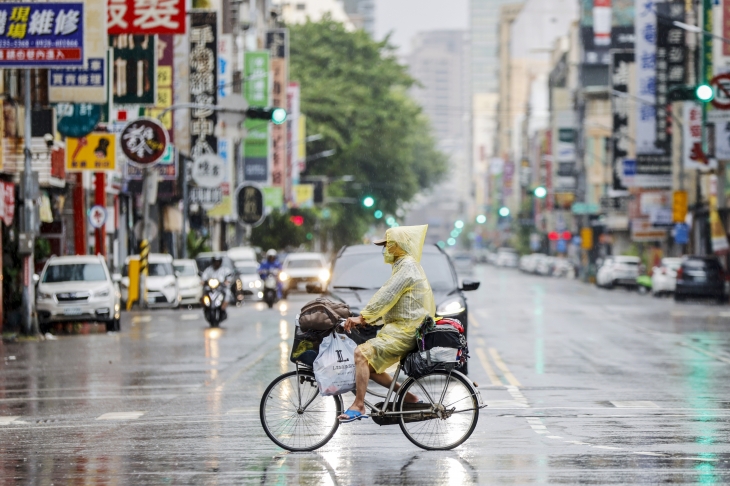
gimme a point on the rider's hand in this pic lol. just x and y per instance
(353, 322)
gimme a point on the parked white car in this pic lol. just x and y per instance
(299, 269)
(507, 257)
(162, 289)
(77, 289)
(188, 281)
(664, 277)
(618, 270)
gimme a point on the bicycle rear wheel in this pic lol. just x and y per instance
(444, 426)
(295, 416)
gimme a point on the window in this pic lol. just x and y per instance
(304, 264)
(185, 270)
(75, 272)
(160, 269)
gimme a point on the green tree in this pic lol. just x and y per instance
(354, 93)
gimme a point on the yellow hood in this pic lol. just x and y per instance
(409, 238)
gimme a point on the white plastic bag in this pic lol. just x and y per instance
(334, 367)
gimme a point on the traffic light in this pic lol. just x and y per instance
(275, 115)
(459, 224)
(702, 93)
(297, 220)
(540, 192)
(368, 202)
(378, 214)
(504, 211)
(481, 219)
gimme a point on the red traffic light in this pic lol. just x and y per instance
(297, 220)
(567, 235)
(553, 236)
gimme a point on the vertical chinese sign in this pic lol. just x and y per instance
(256, 92)
(203, 86)
(294, 139)
(646, 115)
(164, 82)
(134, 67)
(620, 69)
(277, 42)
(671, 55)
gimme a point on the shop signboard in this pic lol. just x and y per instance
(7, 202)
(134, 69)
(202, 82)
(88, 83)
(621, 62)
(277, 42)
(144, 141)
(250, 209)
(77, 120)
(256, 92)
(94, 152)
(671, 56)
(38, 35)
(146, 16)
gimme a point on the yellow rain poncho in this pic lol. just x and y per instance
(402, 302)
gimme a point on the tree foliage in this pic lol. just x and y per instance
(354, 93)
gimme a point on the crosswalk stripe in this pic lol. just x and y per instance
(121, 416)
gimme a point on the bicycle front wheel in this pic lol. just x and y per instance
(441, 423)
(295, 416)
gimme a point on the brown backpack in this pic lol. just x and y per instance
(322, 314)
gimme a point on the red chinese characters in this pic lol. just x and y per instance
(146, 16)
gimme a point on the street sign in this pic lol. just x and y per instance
(681, 234)
(145, 17)
(679, 206)
(96, 152)
(97, 216)
(151, 230)
(249, 205)
(208, 171)
(585, 208)
(144, 141)
(77, 119)
(721, 86)
(37, 35)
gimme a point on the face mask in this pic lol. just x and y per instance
(388, 256)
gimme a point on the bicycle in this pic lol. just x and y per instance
(296, 418)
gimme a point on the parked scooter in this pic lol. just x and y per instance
(214, 295)
(271, 287)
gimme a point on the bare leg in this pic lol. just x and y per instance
(363, 373)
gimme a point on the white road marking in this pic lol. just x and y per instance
(8, 419)
(577, 442)
(608, 447)
(634, 404)
(501, 404)
(706, 353)
(554, 437)
(189, 317)
(650, 454)
(242, 411)
(121, 416)
(138, 319)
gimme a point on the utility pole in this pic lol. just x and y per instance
(29, 223)
(144, 245)
(182, 164)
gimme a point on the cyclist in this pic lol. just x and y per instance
(401, 303)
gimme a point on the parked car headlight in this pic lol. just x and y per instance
(324, 275)
(45, 296)
(101, 293)
(451, 307)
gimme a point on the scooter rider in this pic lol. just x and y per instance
(217, 271)
(271, 263)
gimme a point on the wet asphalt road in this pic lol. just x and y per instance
(584, 386)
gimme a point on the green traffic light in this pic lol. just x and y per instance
(540, 192)
(454, 233)
(459, 224)
(704, 93)
(368, 202)
(378, 214)
(451, 241)
(481, 219)
(504, 211)
(278, 116)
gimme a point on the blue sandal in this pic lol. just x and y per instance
(353, 415)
